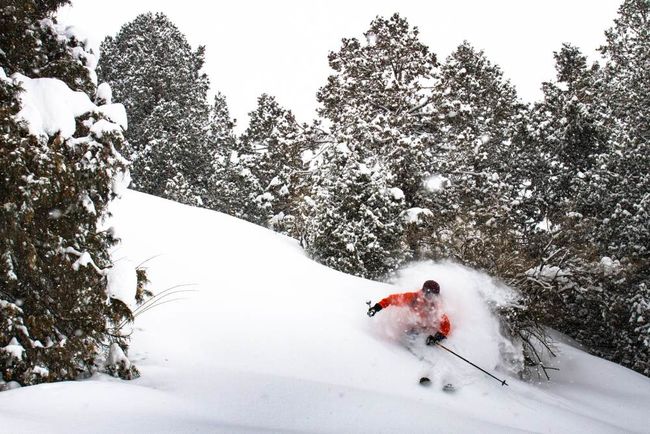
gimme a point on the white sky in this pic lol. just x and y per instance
(280, 47)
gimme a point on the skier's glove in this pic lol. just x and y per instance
(434, 339)
(373, 310)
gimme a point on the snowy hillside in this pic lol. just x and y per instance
(269, 341)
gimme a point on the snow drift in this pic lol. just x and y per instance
(270, 341)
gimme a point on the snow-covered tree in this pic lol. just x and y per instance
(226, 183)
(626, 225)
(259, 176)
(378, 97)
(589, 185)
(61, 166)
(221, 126)
(28, 45)
(375, 158)
(477, 118)
(568, 138)
(177, 149)
(154, 72)
(565, 145)
(355, 224)
(271, 140)
(623, 230)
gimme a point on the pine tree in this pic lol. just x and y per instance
(567, 144)
(156, 75)
(590, 183)
(222, 127)
(56, 315)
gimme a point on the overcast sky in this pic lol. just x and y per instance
(280, 46)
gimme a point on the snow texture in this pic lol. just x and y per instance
(116, 356)
(88, 204)
(105, 93)
(50, 106)
(397, 193)
(102, 127)
(116, 113)
(270, 341)
(83, 261)
(436, 183)
(414, 215)
(123, 281)
(14, 349)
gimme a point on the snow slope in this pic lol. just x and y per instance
(269, 341)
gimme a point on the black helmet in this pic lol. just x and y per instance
(431, 287)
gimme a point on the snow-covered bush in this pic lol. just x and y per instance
(61, 167)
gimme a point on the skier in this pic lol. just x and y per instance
(427, 316)
(424, 304)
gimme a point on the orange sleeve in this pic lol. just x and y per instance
(445, 325)
(398, 299)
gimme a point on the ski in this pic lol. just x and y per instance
(448, 388)
(426, 382)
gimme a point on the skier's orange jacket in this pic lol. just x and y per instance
(417, 302)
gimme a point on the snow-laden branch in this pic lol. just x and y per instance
(84, 260)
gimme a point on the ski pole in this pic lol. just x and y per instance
(503, 382)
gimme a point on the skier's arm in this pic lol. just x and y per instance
(445, 325)
(391, 300)
(397, 299)
(443, 331)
